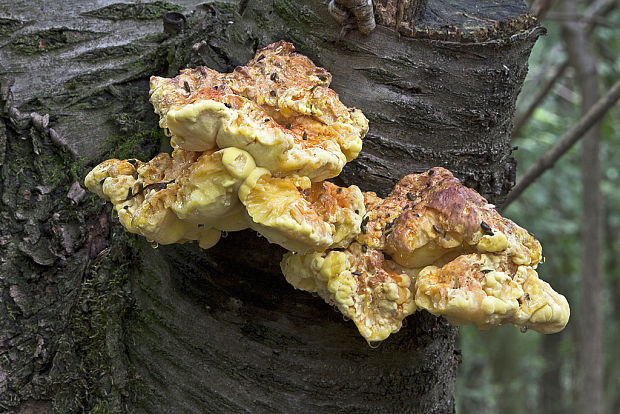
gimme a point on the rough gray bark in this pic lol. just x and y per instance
(93, 318)
(590, 355)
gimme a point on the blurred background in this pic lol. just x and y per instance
(574, 210)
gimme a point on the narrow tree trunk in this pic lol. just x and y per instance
(551, 390)
(591, 323)
(612, 373)
(95, 318)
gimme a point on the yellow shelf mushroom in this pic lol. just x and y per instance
(253, 147)
(489, 290)
(364, 285)
(431, 217)
(299, 215)
(451, 253)
(278, 108)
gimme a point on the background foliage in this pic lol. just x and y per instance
(506, 371)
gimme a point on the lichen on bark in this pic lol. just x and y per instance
(65, 277)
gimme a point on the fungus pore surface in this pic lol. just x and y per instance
(253, 148)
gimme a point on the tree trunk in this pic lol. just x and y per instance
(612, 242)
(552, 391)
(94, 318)
(590, 355)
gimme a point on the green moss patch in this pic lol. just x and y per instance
(103, 54)
(296, 14)
(8, 26)
(50, 39)
(140, 11)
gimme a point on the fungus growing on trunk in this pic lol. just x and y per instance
(291, 123)
(299, 215)
(446, 249)
(363, 284)
(252, 148)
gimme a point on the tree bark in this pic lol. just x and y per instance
(95, 318)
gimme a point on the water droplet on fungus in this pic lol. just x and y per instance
(154, 245)
(523, 329)
(374, 344)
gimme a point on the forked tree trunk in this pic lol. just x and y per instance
(94, 318)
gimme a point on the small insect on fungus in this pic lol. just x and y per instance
(131, 194)
(486, 229)
(157, 186)
(364, 223)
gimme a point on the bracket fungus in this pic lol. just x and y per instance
(253, 148)
(278, 108)
(437, 245)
